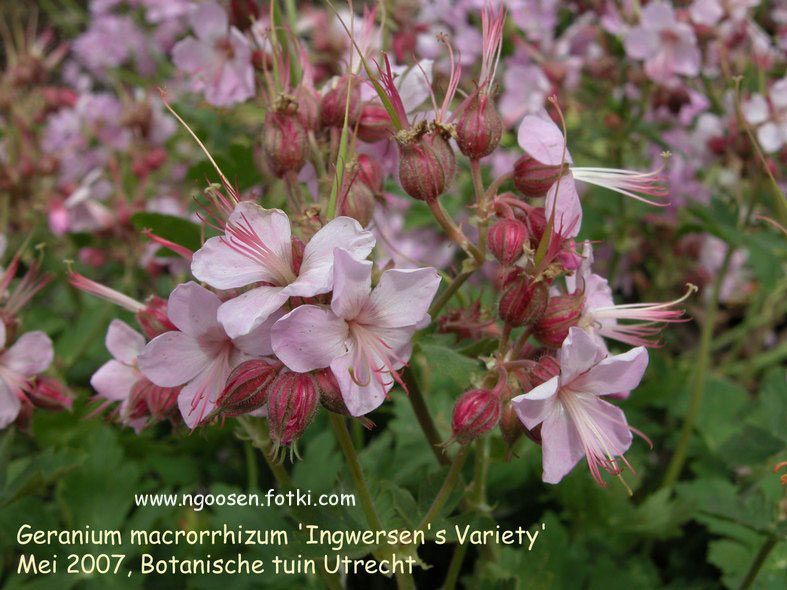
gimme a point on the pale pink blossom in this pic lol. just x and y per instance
(668, 47)
(257, 248)
(218, 60)
(199, 355)
(30, 355)
(365, 335)
(768, 114)
(574, 420)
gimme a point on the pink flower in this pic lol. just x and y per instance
(769, 116)
(668, 47)
(574, 420)
(219, 59)
(199, 355)
(365, 335)
(257, 248)
(30, 355)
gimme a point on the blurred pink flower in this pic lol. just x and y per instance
(668, 47)
(219, 59)
(365, 336)
(31, 354)
(769, 116)
(257, 248)
(574, 420)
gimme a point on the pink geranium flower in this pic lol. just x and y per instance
(30, 355)
(199, 355)
(365, 336)
(257, 248)
(218, 60)
(668, 47)
(574, 420)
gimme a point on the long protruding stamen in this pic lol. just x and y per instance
(242, 238)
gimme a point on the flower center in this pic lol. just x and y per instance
(242, 238)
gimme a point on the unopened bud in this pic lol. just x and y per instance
(505, 240)
(370, 172)
(161, 401)
(562, 312)
(308, 107)
(532, 178)
(476, 411)
(292, 403)
(50, 394)
(545, 369)
(298, 249)
(247, 387)
(357, 200)
(374, 123)
(154, 319)
(284, 143)
(479, 127)
(523, 302)
(426, 167)
(332, 106)
(511, 426)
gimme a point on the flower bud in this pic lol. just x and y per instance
(511, 426)
(284, 143)
(505, 240)
(298, 249)
(532, 178)
(292, 403)
(308, 107)
(161, 401)
(537, 218)
(50, 394)
(154, 319)
(545, 369)
(523, 302)
(357, 200)
(426, 167)
(476, 411)
(374, 123)
(247, 387)
(332, 106)
(562, 312)
(479, 127)
(370, 172)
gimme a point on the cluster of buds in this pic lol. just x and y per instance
(247, 387)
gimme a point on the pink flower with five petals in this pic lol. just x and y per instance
(31, 354)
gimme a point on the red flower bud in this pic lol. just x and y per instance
(298, 248)
(479, 127)
(292, 403)
(161, 401)
(476, 411)
(511, 426)
(247, 387)
(308, 107)
(370, 172)
(154, 319)
(426, 167)
(537, 219)
(284, 143)
(523, 302)
(532, 178)
(545, 369)
(374, 123)
(332, 106)
(505, 240)
(50, 394)
(357, 199)
(561, 313)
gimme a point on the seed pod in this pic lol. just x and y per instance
(154, 319)
(247, 387)
(532, 178)
(562, 312)
(374, 123)
(476, 411)
(479, 127)
(284, 143)
(333, 103)
(292, 403)
(523, 302)
(505, 240)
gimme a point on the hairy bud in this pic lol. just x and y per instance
(511, 426)
(479, 127)
(292, 403)
(284, 142)
(50, 394)
(426, 167)
(523, 302)
(532, 178)
(476, 411)
(562, 312)
(332, 106)
(505, 240)
(247, 387)
(308, 107)
(374, 123)
(545, 369)
(357, 199)
(370, 172)
(154, 319)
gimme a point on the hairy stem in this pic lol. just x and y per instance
(449, 292)
(454, 233)
(445, 490)
(759, 560)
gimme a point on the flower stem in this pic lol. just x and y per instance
(698, 378)
(257, 433)
(481, 198)
(449, 292)
(445, 490)
(455, 567)
(251, 466)
(421, 411)
(454, 232)
(759, 560)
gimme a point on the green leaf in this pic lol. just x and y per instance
(40, 471)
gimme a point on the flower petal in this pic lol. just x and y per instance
(316, 275)
(308, 338)
(173, 358)
(561, 447)
(30, 354)
(247, 312)
(9, 405)
(402, 297)
(222, 267)
(370, 394)
(192, 308)
(198, 397)
(578, 354)
(123, 342)
(617, 374)
(258, 341)
(534, 407)
(114, 380)
(563, 197)
(352, 281)
(209, 21)
(542, 140)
